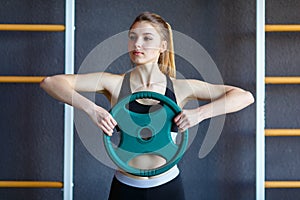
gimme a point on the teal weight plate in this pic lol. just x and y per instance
(148, 133)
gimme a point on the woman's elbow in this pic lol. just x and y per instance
(46, 82)
(51, 82)
(249, 99)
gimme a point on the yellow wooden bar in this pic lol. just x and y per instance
(32, 27)
(282, 184)
(30, 184)
(282, 80)
(21, 79)
(282, 132)
(282, 28)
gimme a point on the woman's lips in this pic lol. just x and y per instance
(137, 53)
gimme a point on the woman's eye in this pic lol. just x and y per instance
(132, 37)
(147, 38)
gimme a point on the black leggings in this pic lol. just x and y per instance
(171, 190)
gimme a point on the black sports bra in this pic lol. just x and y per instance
(141, 108)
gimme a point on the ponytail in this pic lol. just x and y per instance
(167, 59)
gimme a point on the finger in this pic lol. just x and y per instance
(177, 117)
(181, 130)
(107, 125)
(110, 123)
(181, 121)
(114, 122)
(106, 131)
(183, 125)
(107, 121)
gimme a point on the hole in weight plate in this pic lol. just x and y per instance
(146, 134)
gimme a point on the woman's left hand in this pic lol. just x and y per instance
(187, 119)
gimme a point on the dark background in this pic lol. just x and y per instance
(31, 126)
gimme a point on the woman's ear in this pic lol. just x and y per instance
(164, 46)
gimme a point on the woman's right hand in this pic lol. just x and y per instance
(103, 119)
(66, 88)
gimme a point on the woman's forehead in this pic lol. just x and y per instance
(143, 28)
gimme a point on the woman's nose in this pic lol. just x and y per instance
(138, 43)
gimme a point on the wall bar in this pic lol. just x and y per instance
(30, 184)
(282, 184)
(283, 28)
(282, 80)
(32, 27)
(260, 99)
(21, 79)
(69, 111)
(282, 132)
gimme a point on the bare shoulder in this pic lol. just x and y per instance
(184, 89)
(185, 82)
(193, 89)
(110, 77)
(110, 81)
(97, 81)
(187, 85)
(111, 84)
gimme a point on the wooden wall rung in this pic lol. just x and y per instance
(282, 184)
(21, 79)
(282, 132)
(282, 80)
(32, 27)
(30, 184)
(282, 28)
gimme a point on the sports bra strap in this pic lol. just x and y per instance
(126, 90)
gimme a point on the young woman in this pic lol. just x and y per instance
(150, 47)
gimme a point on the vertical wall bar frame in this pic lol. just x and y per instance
(69, 111)
(260, 99)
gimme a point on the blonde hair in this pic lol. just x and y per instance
(166, 59)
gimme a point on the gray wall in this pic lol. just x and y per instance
(282, 101)
(31, 144)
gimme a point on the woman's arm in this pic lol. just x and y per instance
(66, 88)
(222, 99)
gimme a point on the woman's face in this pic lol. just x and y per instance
(145, 44)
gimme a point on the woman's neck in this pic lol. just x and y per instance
(147, 75)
